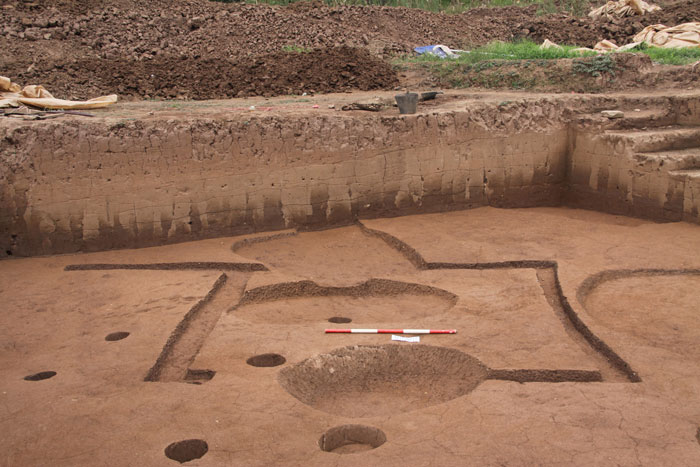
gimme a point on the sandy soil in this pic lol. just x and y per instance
(544, 301)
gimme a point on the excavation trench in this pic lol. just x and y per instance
(249, 173)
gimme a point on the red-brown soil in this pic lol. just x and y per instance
(202, 49)
(280, 73)
(262, 384)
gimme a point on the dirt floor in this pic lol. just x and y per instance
(576, 344)
(201, 49)
(577, 331)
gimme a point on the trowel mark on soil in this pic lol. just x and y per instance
(188, 337)
(613, 366)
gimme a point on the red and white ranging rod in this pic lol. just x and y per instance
(392, 331)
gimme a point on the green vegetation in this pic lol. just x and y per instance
(577, 7)
(595, 66)
(670, 56)
(295, 49)
(528, 50)
(521, 50)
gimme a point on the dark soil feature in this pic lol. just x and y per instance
(348, 439)
(199, 376)
(575, 321)
(339, 320)
(116, 336)
(266, 360)
(40, 376)
(186, 450)
(167, 357)
(547, 376)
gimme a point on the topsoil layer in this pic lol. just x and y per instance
(202, 49)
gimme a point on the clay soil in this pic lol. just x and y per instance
(200, 49)
(247, 376)
(577, 331)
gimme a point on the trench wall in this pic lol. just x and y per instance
(86, 185)
(653, 173)
(76, 185)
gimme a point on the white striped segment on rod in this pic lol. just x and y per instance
(391, 331)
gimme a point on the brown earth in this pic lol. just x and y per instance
(281, 73)
(202, 49)
(580, 75)
(261, 384)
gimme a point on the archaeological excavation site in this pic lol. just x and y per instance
(282, 238)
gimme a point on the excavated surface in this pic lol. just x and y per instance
(364, 381)
(526, 286)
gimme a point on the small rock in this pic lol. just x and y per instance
(331, 106)
(612, 113)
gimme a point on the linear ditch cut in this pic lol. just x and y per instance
(551, 287)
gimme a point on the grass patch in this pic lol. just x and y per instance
(596, 66)
(528, 50)
(521, 50)
(577, 7)
(683, 56)
(295, 49)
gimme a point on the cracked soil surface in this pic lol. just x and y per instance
(99, 410)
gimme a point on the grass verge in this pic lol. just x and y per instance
(683, 56)
(521, 50)
(528, 50)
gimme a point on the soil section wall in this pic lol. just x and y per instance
(80, 185)
(648, 170)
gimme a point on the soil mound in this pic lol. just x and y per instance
(565, 29)
(163, 49)
(321, 70)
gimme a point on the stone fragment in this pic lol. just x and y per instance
(612, 113)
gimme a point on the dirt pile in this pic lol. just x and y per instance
(201, 41)
(564, 29)
(323, 70)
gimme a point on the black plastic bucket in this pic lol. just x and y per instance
(407, 102)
